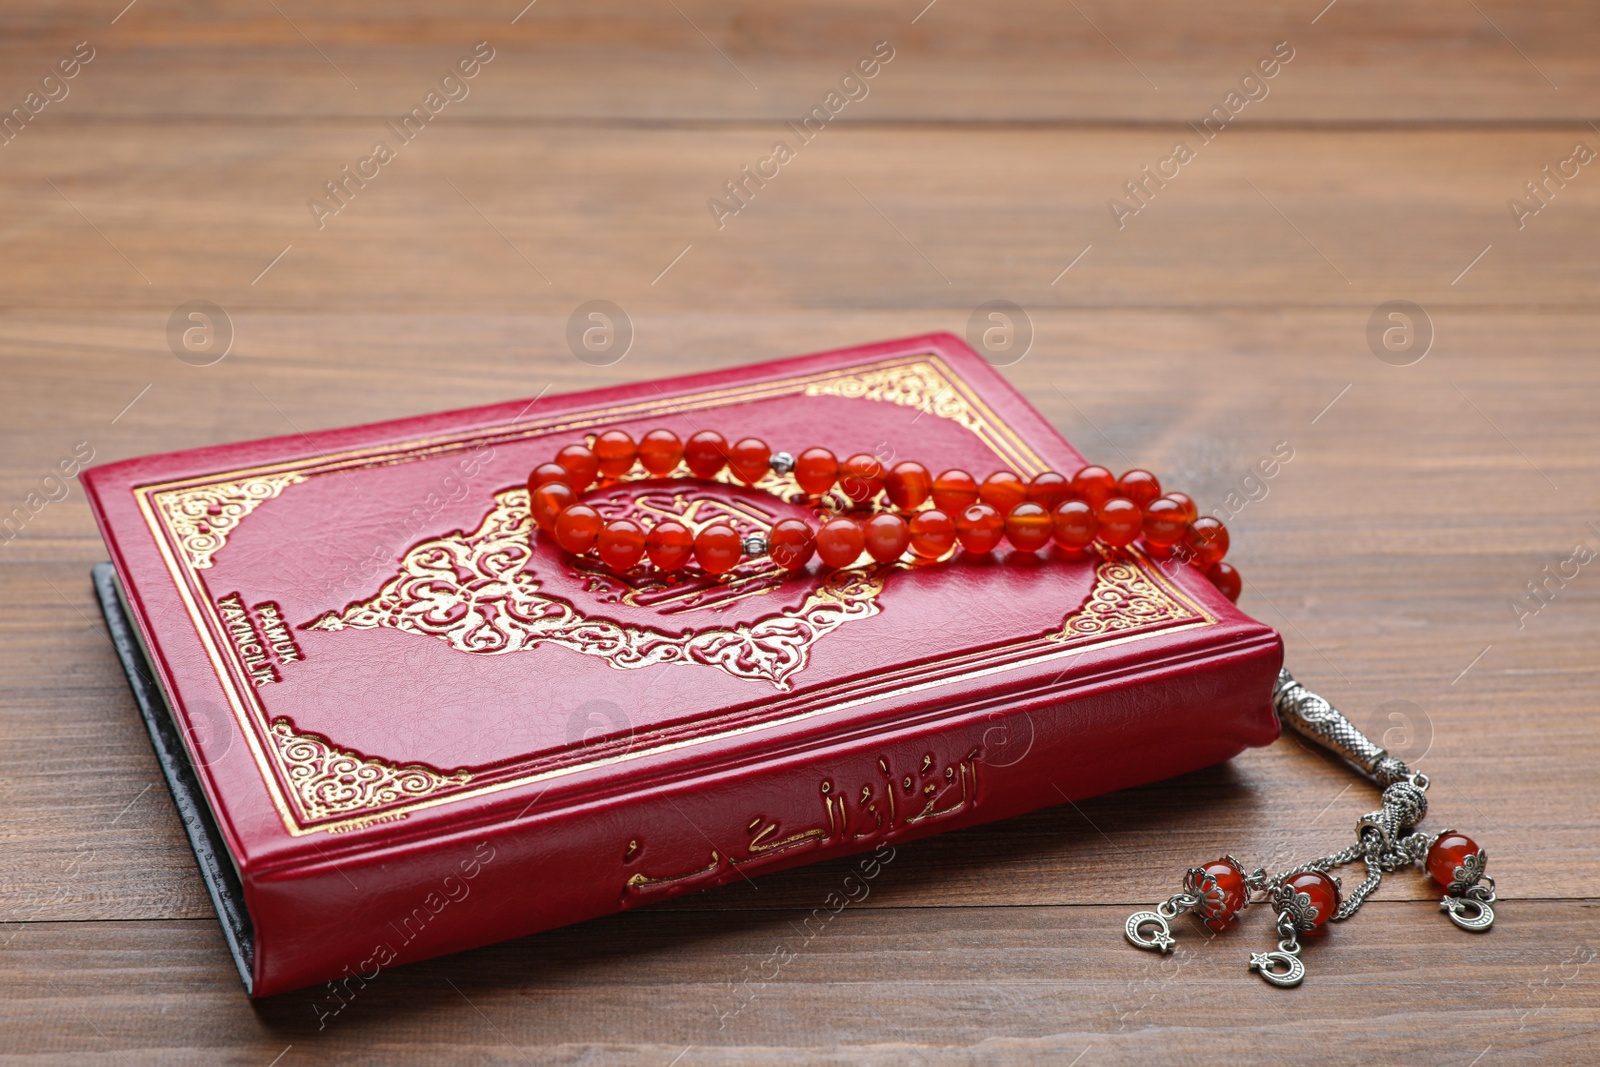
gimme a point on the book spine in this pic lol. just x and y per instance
(340, 925)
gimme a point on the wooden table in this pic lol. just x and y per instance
(1432, 482)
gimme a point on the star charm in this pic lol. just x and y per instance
(1163, 940)
(1260, 961)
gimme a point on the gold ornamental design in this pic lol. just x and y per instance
(1124, 597)
(475, 593)
(914, 385)
(201, 519)
(329, 781)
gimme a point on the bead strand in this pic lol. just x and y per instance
(927, 516)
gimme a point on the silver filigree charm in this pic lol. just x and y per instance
(1297, 906)
(1469, 874)
(1211, 901)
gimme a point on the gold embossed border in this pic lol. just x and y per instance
(201, 518)
(1125, 598)
(922, 381)
(330, 782)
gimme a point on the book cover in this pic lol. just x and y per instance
(414, 726)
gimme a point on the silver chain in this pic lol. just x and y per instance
(1385, 842)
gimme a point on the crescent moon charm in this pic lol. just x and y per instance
(1469, 913)
(1160, 941)
(1266, 964)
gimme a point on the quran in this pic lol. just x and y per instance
(399, 721)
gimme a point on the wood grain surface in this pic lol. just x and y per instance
(1232, 312)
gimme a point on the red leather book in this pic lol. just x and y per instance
(411, 727)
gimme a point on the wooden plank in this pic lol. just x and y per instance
(1228, 314)
(1388, 551)
(151, 215)
(1026, 61)
(926, 985)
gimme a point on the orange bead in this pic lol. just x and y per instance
(1233, 893)
(750, 459)
(840, 543)
(1190, 512)
(660, 452)
(1120, 520)
(706, 453)
(861, 477)
(1227, 579)
(816, 470)
(908, 485)
(615, 452)
(581, 465)
(546, 502)
(670, 544)
(621, 544)
(577, 527)
(1208, 539)
(1322, 890)
(979, 528)
(954, 492)
(933, 534)
(1049, 489)
(1028, 527)
(718, 548)
(791, 543)
(546, 472)
(1447, 853)
(1003, 491)
(1094, 484)
(1074, 525)
(1165, 522)
(1139, 486)
(887, 536)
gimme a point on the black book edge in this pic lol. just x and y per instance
(210, 852)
